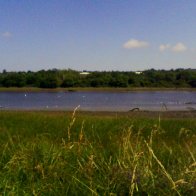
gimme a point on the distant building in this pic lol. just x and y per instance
(138, 72)
(84, 73)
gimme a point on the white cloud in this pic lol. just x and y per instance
(7, 34)
(133, 43)
(179, 47)
(164, 47)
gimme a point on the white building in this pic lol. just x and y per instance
(84, 73)
(138, 72)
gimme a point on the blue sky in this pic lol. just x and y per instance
(97, 34)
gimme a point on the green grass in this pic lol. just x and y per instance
(56, 153)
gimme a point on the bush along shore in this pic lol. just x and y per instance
(55, 153)
(179, 78)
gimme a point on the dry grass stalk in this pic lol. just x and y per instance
(163, 168)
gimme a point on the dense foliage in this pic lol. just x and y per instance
(69, 78)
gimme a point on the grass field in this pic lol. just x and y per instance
(57, 153)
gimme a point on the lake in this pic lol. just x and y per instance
(99, 101)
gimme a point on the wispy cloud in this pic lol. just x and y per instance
(7, 34)
(164, 47)
(134, 43)
(179, 47)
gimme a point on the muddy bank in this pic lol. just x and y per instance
(145, 114)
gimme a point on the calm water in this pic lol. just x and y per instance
(99, 101)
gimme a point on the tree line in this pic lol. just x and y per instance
(54, 78)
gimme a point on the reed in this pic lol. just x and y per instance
(72, 154)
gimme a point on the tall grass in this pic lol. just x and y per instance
(61, 154)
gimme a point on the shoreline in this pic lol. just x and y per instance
(129, 114)
(91, 89)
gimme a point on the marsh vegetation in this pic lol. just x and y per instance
(57, 153)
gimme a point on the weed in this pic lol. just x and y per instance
(43, 154)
